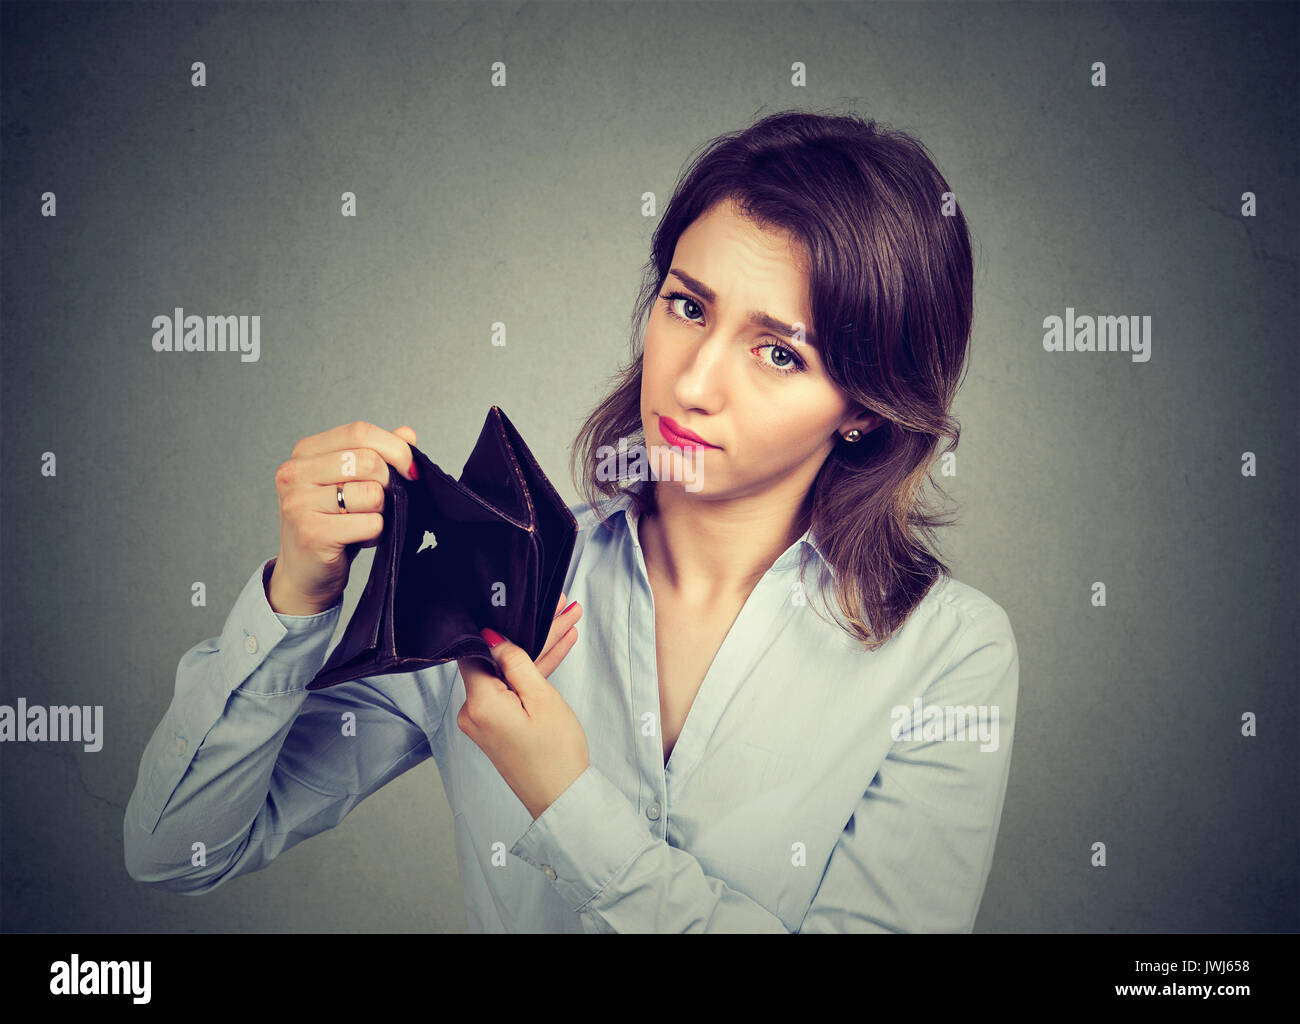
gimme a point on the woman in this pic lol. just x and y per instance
(715, 753)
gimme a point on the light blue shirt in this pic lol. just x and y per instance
(794, 799)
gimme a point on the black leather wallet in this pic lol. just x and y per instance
(490, 550)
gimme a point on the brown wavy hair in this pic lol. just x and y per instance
(891, 286)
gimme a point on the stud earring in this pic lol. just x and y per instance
(853, 435)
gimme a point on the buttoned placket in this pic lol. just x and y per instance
(719, 683)
(643, 671)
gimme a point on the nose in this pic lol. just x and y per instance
(702, 379)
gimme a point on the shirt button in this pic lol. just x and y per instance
(180, 744)
(652, 812)
(548, 871)
(250, 644)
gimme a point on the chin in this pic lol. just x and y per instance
(674, 468)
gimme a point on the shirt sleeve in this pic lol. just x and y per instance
(916, 854)
(246, 762)
(605, 863)
(914, 857)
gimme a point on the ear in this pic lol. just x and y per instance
(861, 420)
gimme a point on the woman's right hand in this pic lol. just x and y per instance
(318, 540)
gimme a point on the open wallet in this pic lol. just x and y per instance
(491, 549)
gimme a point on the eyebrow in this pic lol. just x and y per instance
(766, 320)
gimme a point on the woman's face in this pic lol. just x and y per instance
(763, 399)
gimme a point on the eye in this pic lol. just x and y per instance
(672, 297)
(793, 364)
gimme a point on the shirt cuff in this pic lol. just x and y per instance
(585, 838)
(254, 633)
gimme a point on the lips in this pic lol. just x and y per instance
(677, 435)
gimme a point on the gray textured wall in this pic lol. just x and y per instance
(521, 204)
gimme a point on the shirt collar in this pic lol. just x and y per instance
(621, 511)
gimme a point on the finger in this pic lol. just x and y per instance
(479, 680)
(358, 496)
(406, 434)
(519, 670)
(394, 450)
(331, 468)
(551, 659)
(361, 528)
(314, 481)
(560, 625)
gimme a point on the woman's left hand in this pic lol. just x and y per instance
(528, 731)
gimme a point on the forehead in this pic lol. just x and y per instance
(734, 262)
(725, 220)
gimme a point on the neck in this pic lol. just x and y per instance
(708, 550)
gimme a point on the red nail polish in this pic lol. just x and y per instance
(491, 636)
(571, 604)
(414, 473)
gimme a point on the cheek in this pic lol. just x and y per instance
(652, 354)
(787, 432)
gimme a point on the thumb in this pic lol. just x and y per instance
(519, 670)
